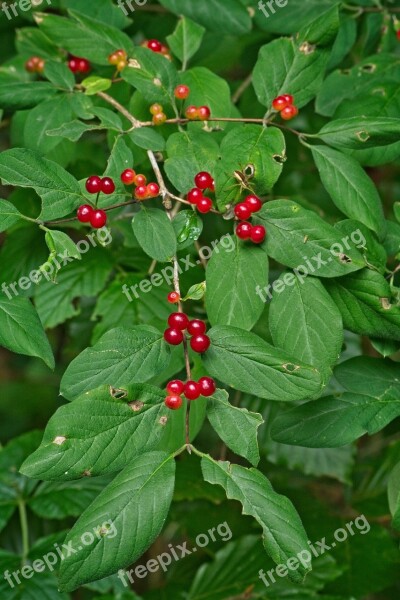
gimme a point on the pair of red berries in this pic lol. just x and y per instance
(79, 65)
(284, 105)
(96, 217)
(192, 390)
(243, 211)
(158, 47)
(96, 184)
(198, 113)
(203, 181)
(142, 191)
(35, 64)
(178, 323)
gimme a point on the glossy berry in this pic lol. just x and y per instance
(253, 202)
(121, 65)
(34, 65)
(141, 192)
(178, 321)
(128, 176)
(192, 113)
(176, 387)
(398, 34)
(155, 45)
(173, 402)
(153, 190)
(192, 390)
(243, 230)
(257, 234)
(289, 113)
(289, 98)
(182, 92)
(282, 102)
(84, 213)
(155, 109)
(173, 297)
(196, 327)
(207, 386)
(93, 184)
(203, 180)
(159, 118)
(107, 185)
(242, 211)
(204, 205)
(173, 336)
(195, 195)
(98, 219)
(116, 57)
(73, 65)
(200, 343)
(83, 65)
(204, 113)
(140, 180)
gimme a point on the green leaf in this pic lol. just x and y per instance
(394, 496)
(290, 16)
(141, 496)
(95, 84)
(237, 427)
(216, 15)
(304, 320)
(283, 531)
(122, 356)
(60, 242)
(233, 274)
(374, 253)
(196, 292)
(16, 95)
(188, 154)
(59, 75)
(322, 30)
(152, 74)
(83, 36)
(264, 151)
(59, 191)
(155, 233)
(147, 138)
(365, 301)
(9, 215)
(385, 347)
(103, 11)
(21, 330)
(300, 239)
(295, 72)
(370, 402)
(186, 39)
(360, 132)
(46, 116)
(207, 88)
(188, 226)
(73, 130)
(120, 424)
(245, 362)
(39, 587)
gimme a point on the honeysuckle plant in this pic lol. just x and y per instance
(200, 237)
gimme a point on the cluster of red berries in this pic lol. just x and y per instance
(119, 59)
(198, 113)
(191, 389)
(35, 64)
(159, 116)
(245, 230)
(158, 47)
(203, 181)
(284, 105)
(143, 190)
(179, 322)
(78, 65)
(86, 213)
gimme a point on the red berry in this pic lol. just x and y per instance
(242, 211)
(243, 230)
(173, 336)
(98, 219)
(204, 205)
(173, 402)
(73, 65)
(173, 297)
(153, 190)
(192, 390)
(84, 213)
(398, 34)
(128, 176)
(93, 184)
(83, 65)
(107, 185)
(253, 202)
(207, 386)
(289, 98)
(258, 234)
(178, 321)
(204, 113)
(140, 180)
(155, 45)
(176, 387)
(203, 180)
(195, 195)
(281, 102)
(212, 186)
(182, 92)
(200, 343)
(196, 327)
(192, 113)
(141, 192)
(289, 113)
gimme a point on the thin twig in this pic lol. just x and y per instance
(242, 88)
